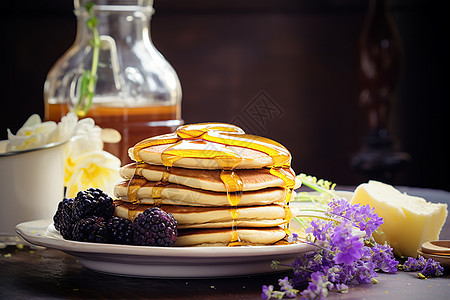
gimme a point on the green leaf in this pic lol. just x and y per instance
(89, 6)
(92, 23)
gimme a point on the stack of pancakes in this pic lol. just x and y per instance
(221, 185)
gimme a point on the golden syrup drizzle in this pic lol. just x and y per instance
(199, 149)
(138, 169)
(159, 186)
(131, 210)
(132, 214)
(234, 234)
(165, 175)
(234, 187)
(134, 184)
(198, 130)
(288, 176)
(189, 142)
(280, 156)
(153, 141)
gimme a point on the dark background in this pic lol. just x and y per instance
(299, 56)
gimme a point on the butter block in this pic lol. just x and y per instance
(409, 221)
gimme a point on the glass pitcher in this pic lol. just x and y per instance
(129, 85)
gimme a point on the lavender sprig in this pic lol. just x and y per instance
(341, 257)
(363, 217)
(413, 264)
(286, 290)
(428, 267)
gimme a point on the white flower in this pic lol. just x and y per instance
(32, 134)
(86, 138)
(86, 164)
(97, 169)
(66, 128)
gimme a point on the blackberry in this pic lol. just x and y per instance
(57, 218)
(119, 231)
(62, 219)
(92, 202)
(155, 227)
(90, 229)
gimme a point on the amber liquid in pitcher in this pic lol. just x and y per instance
(134, 123)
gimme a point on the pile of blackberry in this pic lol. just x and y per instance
(89, 218)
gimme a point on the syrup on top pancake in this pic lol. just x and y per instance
(188, 141)
(226, 144)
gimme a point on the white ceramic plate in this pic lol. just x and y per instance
(164, 262)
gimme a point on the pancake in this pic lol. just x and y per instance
(210, 217)
(250, 159)
(222, 237)
(252, 179)
(176, 194)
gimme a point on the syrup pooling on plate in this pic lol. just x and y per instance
(191, 141)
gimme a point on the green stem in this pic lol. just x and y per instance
(89, 78)
(318, 188)
(322, 186)
(95, 56)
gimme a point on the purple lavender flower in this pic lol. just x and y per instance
(341, 287)
(347, 274)
(292, 238)
(432, 268)
(383, 258)
(284, 282)
(266, 292)
(363, 271)
(287, 288)
(306, 264)
(362, 217)
(320, 230)
(333, 274)
(413, 264)
(340, 207)
(317, 287)
(340, 257)
(348, 246)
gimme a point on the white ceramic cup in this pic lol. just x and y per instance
(31, 184)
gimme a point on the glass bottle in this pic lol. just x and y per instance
(379, 69)
(135, 90)
(379, 64)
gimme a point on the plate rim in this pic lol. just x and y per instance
(36, 235)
